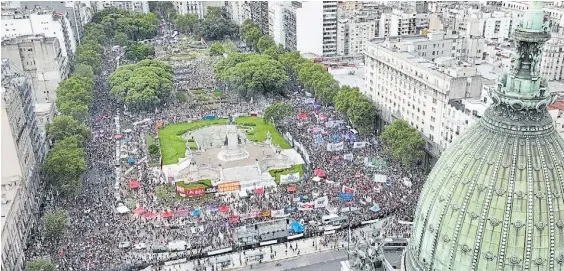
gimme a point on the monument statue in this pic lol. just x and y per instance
(366, 258)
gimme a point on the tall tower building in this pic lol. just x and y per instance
(494, 199)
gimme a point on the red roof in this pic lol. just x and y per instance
(557, 105)
(134, 184)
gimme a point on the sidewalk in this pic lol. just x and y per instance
(244, 261)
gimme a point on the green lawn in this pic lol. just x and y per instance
(259, 132)
(293, 169)
(173, 146)
(201, 183)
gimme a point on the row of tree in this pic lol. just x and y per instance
(403, 143)
(142, 86)
(214, 26)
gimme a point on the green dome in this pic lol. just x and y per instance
(494, 199)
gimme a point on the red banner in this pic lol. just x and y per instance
(195, 192)
(224, 208)
(233, 219)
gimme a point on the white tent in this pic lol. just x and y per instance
(243, 194)
(122, 209)
(316, 179)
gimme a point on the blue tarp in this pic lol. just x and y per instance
(345, 196)
(131, 160)
(210, 117)
(196, 212)
(296, 227)
(375, 208)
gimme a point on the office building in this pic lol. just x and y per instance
(408, 85)
(134, 6)
(23, 150)
(199, 8)
(316, 27)
(49, 23)
(352, 34)
(41, 57)
(400, 23)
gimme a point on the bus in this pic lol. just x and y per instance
(395, 243)
(334, 220)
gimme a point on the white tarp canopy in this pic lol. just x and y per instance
(243, 194)
(122, 209)
(379, 178)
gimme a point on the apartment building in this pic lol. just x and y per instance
(552, 64)
(556, 110)
(238, 11)
(41, 57)
(134, 6)
(78, 13)
(407, 86)
(259, 15)
(199, 8)
(352, 34)
(23, 150)
(316, 27)
(400, 23)
(49, 23)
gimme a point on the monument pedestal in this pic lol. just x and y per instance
(233, 151)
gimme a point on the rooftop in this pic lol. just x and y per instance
(10, 188)
(351, 76)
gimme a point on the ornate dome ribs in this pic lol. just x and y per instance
(493, 202)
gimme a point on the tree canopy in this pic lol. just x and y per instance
(217, 49)
(65, 166)
(259, 74)
(83, 70)
(403, 143)
(139, 51)
(76, 88)
(66, 126)
(277, 112)
(250, 33)
(89, 57)
(55, 223)
(142, 86)
(186, 23)
(75, 109)
(40, 265)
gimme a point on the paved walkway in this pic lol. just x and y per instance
(289, 258)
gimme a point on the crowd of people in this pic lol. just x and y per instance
(97, 231)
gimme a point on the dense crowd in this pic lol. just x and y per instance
(96, 229)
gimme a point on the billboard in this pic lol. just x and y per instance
(228, 187)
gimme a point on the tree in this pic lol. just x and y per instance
(264, 43)
(121, 39)
(89, 45)
(250, 33)
(76, 88)
(216, 28)
(292, 62)
(362, 114)
(403, 143)
(346, 97)
(55, 223)
(66, 126)
(95, 32)
(139, 51)
(142, 86)
(217, 49)
(75, 109)
(83, 70)
(260, 74)
(274, 51)
(186, 23)
(40, 265)
(90, 57)
(216, 12)
(65, 165)
(153, 149)
(277, 112)
(229, 62)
